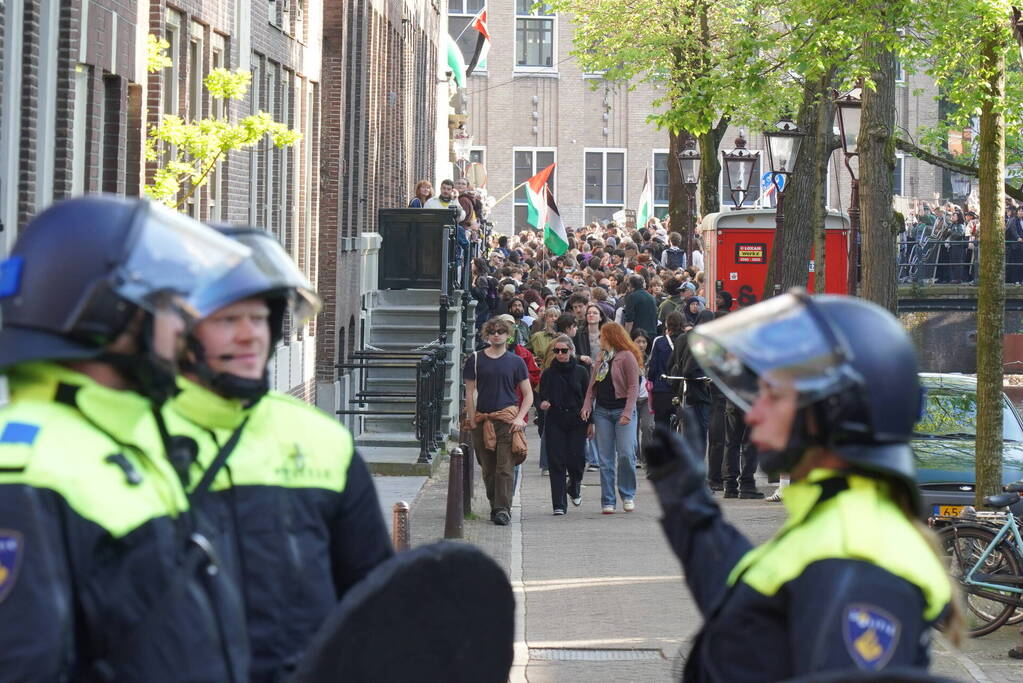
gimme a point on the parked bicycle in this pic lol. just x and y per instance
(985, 554)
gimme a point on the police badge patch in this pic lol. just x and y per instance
(12, 548)
(871, 635)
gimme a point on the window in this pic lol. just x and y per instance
(255, 152)
(534, 37)
(80, 131)
(171, 74)
(460, 16)
(195, 99)
(529, 162)
(605, 183)
(753, 195)
(660, 183)
(216, 211)
(898, 175)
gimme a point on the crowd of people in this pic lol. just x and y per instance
(600, 332)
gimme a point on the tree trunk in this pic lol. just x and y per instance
(710, 169)
(876, 147)
(991, 292)
(804, 191)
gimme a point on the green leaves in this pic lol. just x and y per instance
(155, 57)
(190, 150)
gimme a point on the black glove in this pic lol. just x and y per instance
(667, 452)
(679, 476)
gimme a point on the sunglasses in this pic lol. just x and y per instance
(493, 332)
(561, 350)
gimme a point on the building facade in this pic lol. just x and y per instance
(356, 78)
(531, 105)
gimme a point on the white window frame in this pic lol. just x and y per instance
(653, 175)
(725, 197)
(516, 68)
(169, 93)
(80, 131)
(218, 109)
(604, 151)
(460, 11)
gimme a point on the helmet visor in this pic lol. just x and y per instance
(172, 254)
(277, 272)
(783, 337)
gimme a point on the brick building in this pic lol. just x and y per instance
(532, 105)
(356, 78)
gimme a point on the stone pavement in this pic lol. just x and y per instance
(601, 597)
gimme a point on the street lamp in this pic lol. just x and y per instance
(461, 145)
(962, 185)
(847, 111)
(689, 168)
(782, 150)
(738, 164)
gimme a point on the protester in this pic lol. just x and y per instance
(423, 193)
(495, 417)
(562, 391)
(611, 399)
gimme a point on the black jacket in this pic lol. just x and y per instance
(564, 386)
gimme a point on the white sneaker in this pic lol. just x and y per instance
(577, 501)
(774, 497)
(629, 505)
(558, 511)
(608, 509)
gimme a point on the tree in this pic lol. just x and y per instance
(189, 151)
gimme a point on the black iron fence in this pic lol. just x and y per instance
(931, 261)
(424, 403)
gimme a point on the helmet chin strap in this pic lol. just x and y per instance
(152, 375)
(225, 383)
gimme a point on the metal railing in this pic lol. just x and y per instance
(425, 402)
(931, 261)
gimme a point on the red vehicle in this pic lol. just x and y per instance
(737, 251)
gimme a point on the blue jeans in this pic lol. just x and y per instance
(591, 451)
(616, 449)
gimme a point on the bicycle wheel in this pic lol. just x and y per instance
(962, 547)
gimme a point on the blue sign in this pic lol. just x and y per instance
(766, 182)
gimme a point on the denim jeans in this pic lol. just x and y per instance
(616, 449)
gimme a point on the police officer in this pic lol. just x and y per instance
(278, 477)
(102, 574)
(829, 385)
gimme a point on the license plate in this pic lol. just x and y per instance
(948, 510)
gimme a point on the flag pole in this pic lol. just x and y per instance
(510, 192)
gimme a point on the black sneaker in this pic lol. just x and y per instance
(751, 495)
(716, 487)
(502, 518)
(731, 494)
(493, 515)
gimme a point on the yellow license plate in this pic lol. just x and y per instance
(948, 510)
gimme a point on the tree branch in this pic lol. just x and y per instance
(941, 162)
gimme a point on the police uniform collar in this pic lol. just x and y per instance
(121, 413)
(206, 408)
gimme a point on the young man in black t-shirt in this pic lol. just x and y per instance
(492, 377)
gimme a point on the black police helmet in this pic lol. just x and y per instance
(56, 300)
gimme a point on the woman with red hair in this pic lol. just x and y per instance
(424, 190)
(611, 398)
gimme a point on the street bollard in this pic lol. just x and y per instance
(468, 479)
(453, 518)
(401, 533)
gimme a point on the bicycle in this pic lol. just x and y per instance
(985, 555)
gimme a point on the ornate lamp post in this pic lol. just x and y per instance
(962, 186)
(848, 115)
(782, 150)
(461, 145)
(738, 163)
(689, 168)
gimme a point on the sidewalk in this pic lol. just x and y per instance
(601, 597)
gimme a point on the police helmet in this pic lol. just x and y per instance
(82, 268)
(851, 362)
(267, 273)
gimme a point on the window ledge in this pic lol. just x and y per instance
(518, 73)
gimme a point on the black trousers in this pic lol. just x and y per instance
(741, 462)
(566, 457)
(716, 438)
(663, 408)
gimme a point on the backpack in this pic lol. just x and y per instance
(675, 258)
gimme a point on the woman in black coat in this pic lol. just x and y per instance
(562, 389)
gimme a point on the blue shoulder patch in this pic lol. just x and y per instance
(12, 549)
(871, 635)
(10, 276)
(19, 432)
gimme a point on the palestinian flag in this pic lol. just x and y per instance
(456, 63)
(554, 235)
(534, 195)
(479, 57)
(646, 203)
